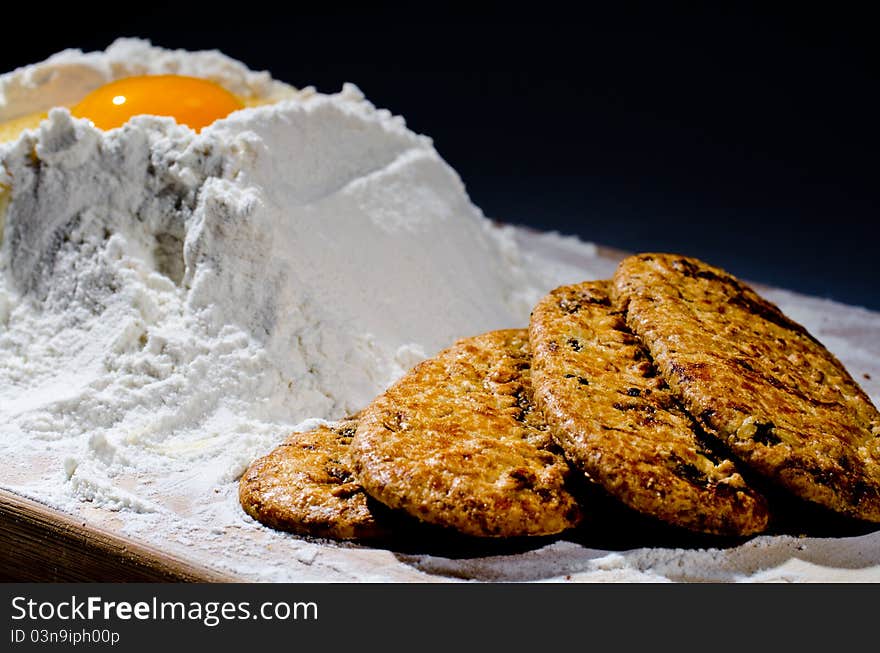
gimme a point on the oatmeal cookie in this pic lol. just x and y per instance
(457, 442)
(306, 485)
(618, 421)
(756, 379)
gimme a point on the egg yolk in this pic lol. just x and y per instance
(190, 101)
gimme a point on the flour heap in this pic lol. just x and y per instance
(170, 297)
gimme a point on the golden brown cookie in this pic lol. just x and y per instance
(457, 442)
(306, 485)
(619, 423)
(756, 379)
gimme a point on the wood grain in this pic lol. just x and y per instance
(38, 543)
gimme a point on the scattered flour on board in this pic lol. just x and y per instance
(173, 304)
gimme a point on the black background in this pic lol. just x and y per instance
(742, 134)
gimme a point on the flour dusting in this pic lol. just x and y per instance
(173, 304)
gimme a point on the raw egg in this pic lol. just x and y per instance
(190, 101)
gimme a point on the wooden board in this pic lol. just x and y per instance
(39, 543)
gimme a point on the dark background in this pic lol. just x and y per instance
(741, 134)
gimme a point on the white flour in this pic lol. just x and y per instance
(173, 304)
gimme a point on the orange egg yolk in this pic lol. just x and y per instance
(190, 101)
